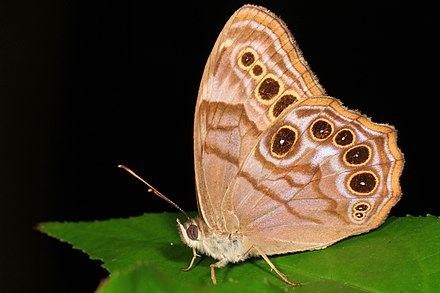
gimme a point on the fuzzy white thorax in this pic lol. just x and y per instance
(218, 245)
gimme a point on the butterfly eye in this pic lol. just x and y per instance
(192, 232)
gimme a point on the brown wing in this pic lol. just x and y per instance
(254, 72)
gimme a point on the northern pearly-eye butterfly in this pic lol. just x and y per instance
(280, 167)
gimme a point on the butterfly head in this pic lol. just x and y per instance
(189, 232)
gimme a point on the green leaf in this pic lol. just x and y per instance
(145, 253)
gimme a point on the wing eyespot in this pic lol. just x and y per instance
(344, 138)
(321, 129)
(247, 58)
(286, 99)
(358, 155)
(360, 210)
(283, 141)
(362, 183)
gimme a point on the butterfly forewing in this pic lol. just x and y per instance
(254, 73)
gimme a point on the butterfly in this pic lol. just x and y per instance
(280, 166)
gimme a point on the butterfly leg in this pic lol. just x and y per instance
(192, 261)
(218, 264)
(272, 266)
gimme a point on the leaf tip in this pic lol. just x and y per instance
(40, 227)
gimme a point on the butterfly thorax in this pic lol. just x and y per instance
(218, 245)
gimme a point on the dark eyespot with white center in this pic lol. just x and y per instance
(363, 183)
(361, 207)
(358, 155)
(344, 137)
(283, 141)
(247, 59)
(321, 129)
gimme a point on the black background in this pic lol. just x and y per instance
(88, 85)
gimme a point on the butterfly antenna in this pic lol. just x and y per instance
(154, 190)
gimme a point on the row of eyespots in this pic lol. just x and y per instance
(361, 183)
(269, 87)
(357, 155)
(322, 129)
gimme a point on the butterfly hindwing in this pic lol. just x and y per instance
(319, 173)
